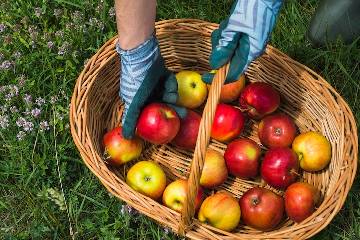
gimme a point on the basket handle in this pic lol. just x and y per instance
(202, 143)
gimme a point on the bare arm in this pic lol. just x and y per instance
(135, 21)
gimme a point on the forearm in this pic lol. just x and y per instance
(135, 21)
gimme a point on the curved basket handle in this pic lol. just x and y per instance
(202, 143)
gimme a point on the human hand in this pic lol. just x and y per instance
(242, 37)
(144, 79)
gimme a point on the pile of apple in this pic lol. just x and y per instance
(279, 160)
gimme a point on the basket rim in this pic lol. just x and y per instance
(102, 57)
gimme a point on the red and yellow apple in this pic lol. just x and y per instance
(242, 158)
(231, 91)
(228, 123)
(280, 167)
(300, 200)
(220, 210)
(174, 195)
(259, 99)
(261, 208)
(214, 172)
(192, 91)
(313, 149)
(158, 123)
(119, 150)
(147, 178)
(189, 128)
(277, 130)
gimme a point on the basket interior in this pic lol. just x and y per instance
(303, 97)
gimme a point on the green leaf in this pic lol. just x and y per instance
(70, 3)
(70, 64)
(23, 41)
(3, 205)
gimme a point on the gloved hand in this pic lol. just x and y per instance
(144, 79)
(242, 37)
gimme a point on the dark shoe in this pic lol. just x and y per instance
(335, 19)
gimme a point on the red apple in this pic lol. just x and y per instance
(280, 167)
(189, 128)
(175, 194)
(261, 208)
(277, 130)
(242, 158)
(158, 123)
(259, 99)
(119, 150)
(228, 123)
(300, 200)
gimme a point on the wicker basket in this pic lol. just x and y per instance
(185, 44)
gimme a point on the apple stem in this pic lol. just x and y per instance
(294, 172)
(278, 131)
(245, 109)
(106, 155)
(255, 201)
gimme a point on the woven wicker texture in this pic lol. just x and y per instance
(185, 44)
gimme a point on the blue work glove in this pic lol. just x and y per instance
(144, 79)
(242, 37)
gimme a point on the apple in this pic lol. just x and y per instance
(313, 149)
(242, 158)
(119, 150)
(277, 130)
(280, 167)
(158, 123)
(259, 99)
(174, 195)
(300, 200)
(147, 178)
(189, 128)
(220, 210)
(231, 91)
(192, 91)
(261, 208)
(228, 123)
(214, 172)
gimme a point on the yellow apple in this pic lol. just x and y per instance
(192, 90)
(313, 149)
(220, 210)
(175, 194)
(214, 172)
(147, 178)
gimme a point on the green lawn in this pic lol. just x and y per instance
(43, 47)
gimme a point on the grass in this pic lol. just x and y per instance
(41, 172)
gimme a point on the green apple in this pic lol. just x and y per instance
(192, 90)
(147, 178)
